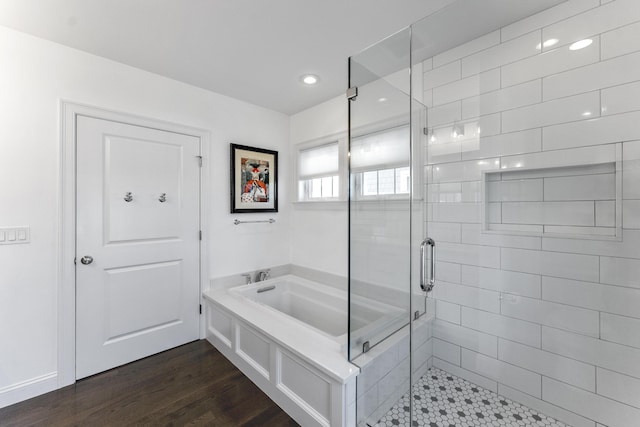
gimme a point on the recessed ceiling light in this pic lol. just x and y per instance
(383, 99)
(309, 79)
(581, 44)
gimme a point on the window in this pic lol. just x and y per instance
(385, 182)
(318, 172)
(380, 166)
(380, 163)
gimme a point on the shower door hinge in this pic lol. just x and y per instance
(352, 93)
(199, 160)
(200, 235)
(425, 131)
(366, 347)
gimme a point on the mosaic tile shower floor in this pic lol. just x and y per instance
(444, 400)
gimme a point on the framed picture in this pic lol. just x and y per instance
(254, 179)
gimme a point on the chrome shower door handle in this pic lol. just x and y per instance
(432, 276)
(423, 262)
(427, 284)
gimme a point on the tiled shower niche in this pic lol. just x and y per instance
(572, 200)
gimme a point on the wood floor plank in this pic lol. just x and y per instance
(190, 385)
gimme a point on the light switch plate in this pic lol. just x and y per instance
(14, 235)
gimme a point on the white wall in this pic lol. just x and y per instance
(34, 76)
(319, 233)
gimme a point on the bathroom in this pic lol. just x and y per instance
(524, 171)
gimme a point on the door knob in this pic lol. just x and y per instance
(86, 260)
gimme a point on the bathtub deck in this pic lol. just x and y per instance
(189, 385)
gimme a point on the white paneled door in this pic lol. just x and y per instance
(138, 246)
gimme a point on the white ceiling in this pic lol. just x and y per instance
(253, 50)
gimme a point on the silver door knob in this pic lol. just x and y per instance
(86, 260)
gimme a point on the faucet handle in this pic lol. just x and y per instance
(262, 275)
(247, 278)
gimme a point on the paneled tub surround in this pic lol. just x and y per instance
(303, 369)
(539, 289)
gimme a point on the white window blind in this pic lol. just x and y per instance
(377, 150)
(318, 161)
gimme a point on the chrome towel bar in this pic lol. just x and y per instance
(237, 221)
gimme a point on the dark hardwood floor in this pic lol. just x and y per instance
(190, 385)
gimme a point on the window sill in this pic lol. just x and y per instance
(321, 204)
(384, 198)
(388, 203)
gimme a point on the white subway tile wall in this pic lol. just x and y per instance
(549, 63)
(384, 375)
(546, 408)
(502, 99)
(550, 321)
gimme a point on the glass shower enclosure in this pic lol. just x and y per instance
(387, 222)
(494, 153)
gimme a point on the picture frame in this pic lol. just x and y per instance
(254, 179)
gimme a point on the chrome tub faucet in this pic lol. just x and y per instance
(262, 275)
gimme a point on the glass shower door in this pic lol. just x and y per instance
(386, 226)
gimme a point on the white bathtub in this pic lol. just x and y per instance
(299, 366)
(324, 309)
(289, 336)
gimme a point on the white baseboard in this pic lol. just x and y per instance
(27, 389)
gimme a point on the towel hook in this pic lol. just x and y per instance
(128, 197)
(163, 197)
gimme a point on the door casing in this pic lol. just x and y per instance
(66, 280)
